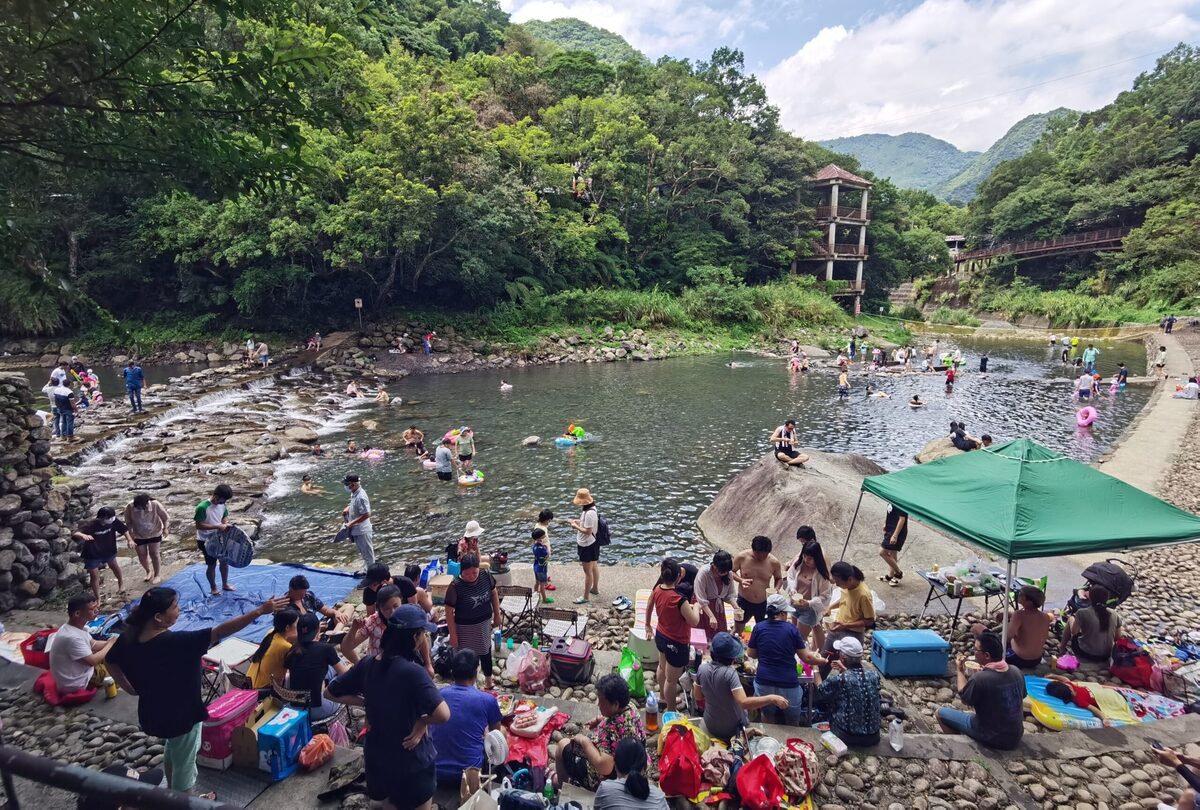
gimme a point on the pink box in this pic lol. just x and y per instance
(225, 714)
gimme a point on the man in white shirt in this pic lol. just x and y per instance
(74, 654)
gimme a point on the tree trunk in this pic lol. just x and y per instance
(72, 253)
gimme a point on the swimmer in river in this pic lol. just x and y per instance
(803, 361)
(916, 402)
(415, 439)
(309, 488)
(318, 451)
(794, 365)
(504, 386)
(353, 391)
(351, 446)
(382, 397)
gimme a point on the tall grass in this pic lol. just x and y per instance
(1064, 308)
(953, 317)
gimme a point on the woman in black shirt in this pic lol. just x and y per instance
(472, 607)
(309, 664)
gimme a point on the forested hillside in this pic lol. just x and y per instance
(571, 34)
(1134, 162)
(267, 161)
(1020, 138)
(912, 160)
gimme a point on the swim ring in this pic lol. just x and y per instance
(472, 480)
(563, 441)
(1085, 416)
(374, 454)
(429, 464)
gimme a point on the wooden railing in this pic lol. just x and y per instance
(1091, 240)
(854, 213)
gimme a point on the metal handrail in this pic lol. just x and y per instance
(115, 789)
(1090, 237)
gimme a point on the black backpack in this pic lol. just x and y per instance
(602, 536)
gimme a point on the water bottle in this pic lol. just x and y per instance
(896, 734)
(496, 640)
(548, 793)
(651, 713)
(537, 641)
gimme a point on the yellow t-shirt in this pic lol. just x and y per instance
(856, 604)
(260, 672)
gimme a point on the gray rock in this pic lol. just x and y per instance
(531, 441)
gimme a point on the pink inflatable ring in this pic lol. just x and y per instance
(1085, 416)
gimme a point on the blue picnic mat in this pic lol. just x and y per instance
(255, 584)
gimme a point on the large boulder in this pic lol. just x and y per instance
(935, 449)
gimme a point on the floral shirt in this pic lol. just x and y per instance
(854, 695)
(610, 732)
(374, 627)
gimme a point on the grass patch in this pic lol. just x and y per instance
(1064, 308)
(953, 317)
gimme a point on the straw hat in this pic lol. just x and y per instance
(583, 498)
(473, 529)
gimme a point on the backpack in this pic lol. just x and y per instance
(679, 769)
(1131, 664)
(602, 536)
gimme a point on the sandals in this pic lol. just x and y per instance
(582, 600)
(892, 579)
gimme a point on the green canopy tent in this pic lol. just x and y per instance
(1020, 501)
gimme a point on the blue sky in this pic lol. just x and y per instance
(961, 70)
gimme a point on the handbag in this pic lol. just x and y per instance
(758, 784)
(679, 766)
(799, 768)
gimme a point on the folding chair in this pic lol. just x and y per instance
(518, 611)
(562, 622)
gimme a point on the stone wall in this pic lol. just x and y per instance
(36, 552)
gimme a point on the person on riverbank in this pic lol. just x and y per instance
(852, 696)
(249, 349)
(544, 521)
(895, 532)
(357, 518)
(469, 542)
(267, 663)
(587, 759)
(370, 629)
(719, 687)
(302, 600)
(472, 610)
(855, 609)
(443, 459)
(1028, 629)
(427, 342)
(263, 352)
(473, 713)
(1169, 324)
(1090, 354)
(756, 570)
(1189, 391)
(809, 586)
(163, 669)
(402, 703)
(587, 543)
(1091, 633)
(466, 450)
(784, 439)
(415, 439)
(99, 547)
(135, 381)
(1186, 766)
(1160, 361)
(541, 565)
(677, 615)
(714, 590)
(996, 693)
(211, 517)
(776, 644)
(149, 524)
(629, 789)
(74, 654)
(310, 662)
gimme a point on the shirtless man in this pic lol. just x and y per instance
(755, 570)
(784, 439)
(415, 439)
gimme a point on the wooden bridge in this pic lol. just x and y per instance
(1106, 239)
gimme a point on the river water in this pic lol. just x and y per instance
(667, 436)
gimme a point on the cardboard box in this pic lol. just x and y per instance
(438, 586)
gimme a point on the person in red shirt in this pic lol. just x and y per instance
(1068, 691)
(677, 615)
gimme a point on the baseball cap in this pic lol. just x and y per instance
(849, 647)
(778, 603)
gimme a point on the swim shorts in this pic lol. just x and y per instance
(790, 452)
(752, 610)
(889, 545)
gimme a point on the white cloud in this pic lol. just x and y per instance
(655, 27)
(966, 71)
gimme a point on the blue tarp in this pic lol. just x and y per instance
(255, 584)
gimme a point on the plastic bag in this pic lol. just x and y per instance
(703, 740)
(630, 670)
(318, 751)
(759, 785)
(512, 666)
(679, 766)
(534, 675)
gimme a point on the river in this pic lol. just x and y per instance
(667, 436)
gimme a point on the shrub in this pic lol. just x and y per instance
(908, 312)
(953, 317)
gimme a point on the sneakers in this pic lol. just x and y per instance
(892, 579)
(622, 603)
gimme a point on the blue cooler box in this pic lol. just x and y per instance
(909, 653)
(280, 740)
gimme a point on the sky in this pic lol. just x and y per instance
(960, 70)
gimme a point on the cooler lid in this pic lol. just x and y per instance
(909, 640)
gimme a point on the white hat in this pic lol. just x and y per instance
(849, 647)
(473, 529)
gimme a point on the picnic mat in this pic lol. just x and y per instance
(255, 584)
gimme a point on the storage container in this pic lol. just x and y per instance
(571, 660)
(909, 653)
(225, 715)
(280, 741)
(437, 587)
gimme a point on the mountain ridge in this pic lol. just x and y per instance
(573, 34)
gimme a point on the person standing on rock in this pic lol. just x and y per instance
(163, 668)
(74, 654)
(755, 570)
(588, 544)
(249, 349)
(149, 524)
(99, 538)
(211, 517)
(135, 381)
(895, 532)
(64, 410)
(357, 517)
(264, 354)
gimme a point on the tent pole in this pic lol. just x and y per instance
(1008, 578)
(853, 520)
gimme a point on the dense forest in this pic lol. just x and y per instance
(571, 34)
(222, 162)
(1133, 163)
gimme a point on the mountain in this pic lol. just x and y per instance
(1019, 139)
(575, 35)
(911, 160)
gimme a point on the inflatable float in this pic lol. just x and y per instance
(1085, 416)
(472, 480)
(374, 454)
(1125, 706)
(429, 464)
(565, 441)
